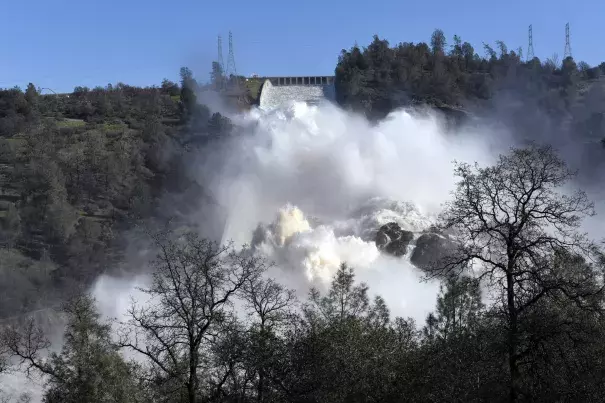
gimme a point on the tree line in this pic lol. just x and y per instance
(380, 78)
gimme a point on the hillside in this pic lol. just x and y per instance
(76, 172)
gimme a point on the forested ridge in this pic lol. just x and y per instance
(79, 170)
(455, 76)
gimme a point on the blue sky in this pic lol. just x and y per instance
(63, 43)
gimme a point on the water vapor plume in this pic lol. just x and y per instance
(309, 186)
(576, 133)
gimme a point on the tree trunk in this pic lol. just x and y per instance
(192, 384)
(512, 338)
(261, 370)
(261, 385)
(191, 392)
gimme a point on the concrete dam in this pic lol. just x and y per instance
(278, 91)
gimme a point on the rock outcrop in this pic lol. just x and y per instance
(430, 249)
(393, 240)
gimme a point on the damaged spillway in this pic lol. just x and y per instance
(273, 96)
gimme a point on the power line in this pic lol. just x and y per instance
(49, 89)
(221, 63)
(55, 308)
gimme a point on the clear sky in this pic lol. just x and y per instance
(63, 43)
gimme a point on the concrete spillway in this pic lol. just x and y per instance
(273, 96)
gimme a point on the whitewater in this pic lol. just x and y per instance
(308, 186)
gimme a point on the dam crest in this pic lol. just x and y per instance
(277, 91)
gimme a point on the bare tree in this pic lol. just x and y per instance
(5, 367)
(232, 375)
(553, 62)
(271, 307)
(192, 288)
(269, 302)
(249, 356)
(28, 344)
(521, 235)
(4, 357)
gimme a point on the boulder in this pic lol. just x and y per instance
(430, 249)
(393, 240)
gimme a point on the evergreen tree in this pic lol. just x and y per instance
(89, 367)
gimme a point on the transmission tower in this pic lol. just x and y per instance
(221, 63)
(530, 46)
(231, 70)
(567, 52)
(220, 53)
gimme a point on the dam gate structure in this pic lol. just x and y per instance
(278, 91)
(310, 80)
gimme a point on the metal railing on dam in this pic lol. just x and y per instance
(307, 80)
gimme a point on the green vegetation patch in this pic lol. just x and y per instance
(253, 86)
(70, 123)
(114, 126)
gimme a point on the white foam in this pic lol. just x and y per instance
(321, 181)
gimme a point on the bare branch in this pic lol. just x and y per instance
(192, 288)
(518, 230)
